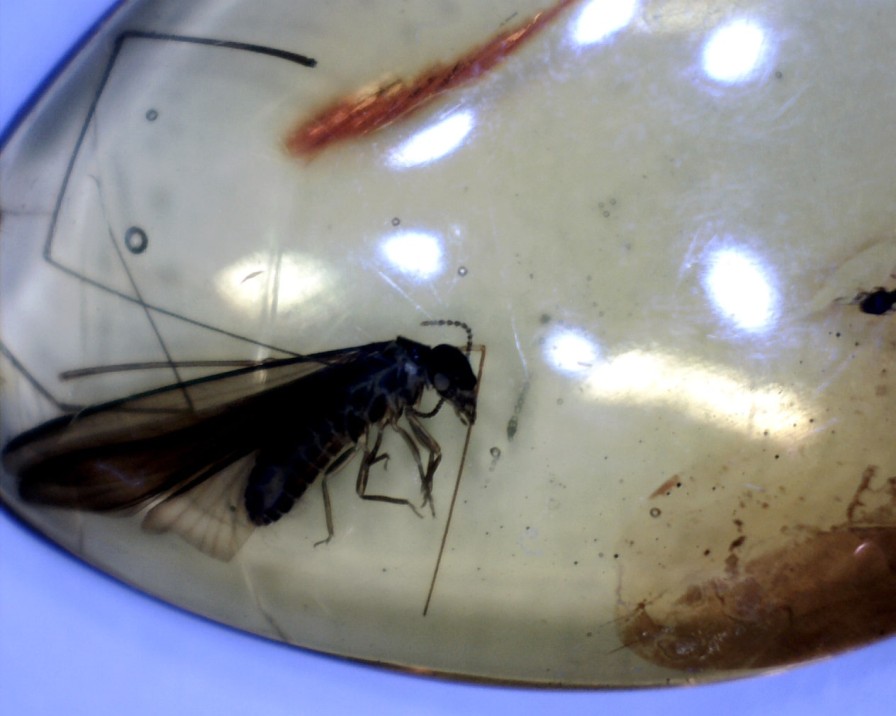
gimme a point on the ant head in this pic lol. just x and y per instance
(448, 371)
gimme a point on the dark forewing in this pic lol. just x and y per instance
(119, 454)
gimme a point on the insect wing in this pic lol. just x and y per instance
(211, 516)
(117, 455)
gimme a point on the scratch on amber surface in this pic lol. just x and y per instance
(368, 110)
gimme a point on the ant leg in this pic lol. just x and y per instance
(328, 508)
(328, 511)
(371, 458)
(435, 457)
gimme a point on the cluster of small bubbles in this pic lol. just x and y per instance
(604, 211)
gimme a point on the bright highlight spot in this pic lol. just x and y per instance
(734, 52)
(434, 142)
(269, 279)
(740, 289)
(570, 351)
(601, 18)
(722, 397)
(414, 253)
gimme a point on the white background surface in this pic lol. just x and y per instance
(73, 641)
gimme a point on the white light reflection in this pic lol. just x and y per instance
(434, 142)
(725, 398)
(260, 279)
(741, 290)
(601, 18)
(570, 351)
(415, 253)
(735, 51)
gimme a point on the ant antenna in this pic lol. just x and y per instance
(459, 324)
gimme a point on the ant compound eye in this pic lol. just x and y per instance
(441, 382)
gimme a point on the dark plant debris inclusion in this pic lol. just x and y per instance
(825, 591)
